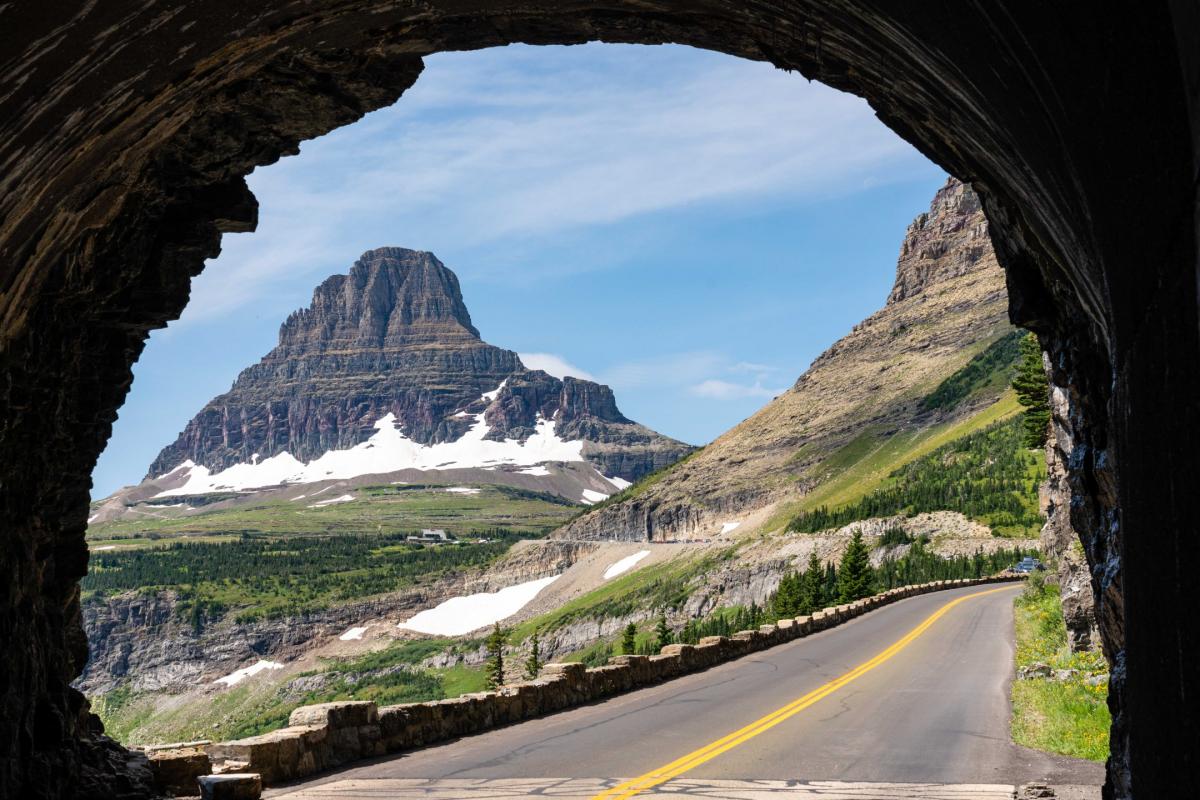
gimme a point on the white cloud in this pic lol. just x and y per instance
(674, 369)
(717, 389)
(694, 373)
(557, 366)
(750, 366)
(500, 149)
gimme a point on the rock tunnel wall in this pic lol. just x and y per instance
(125, 134)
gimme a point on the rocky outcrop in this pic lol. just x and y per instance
(394, 337)
(142, 640)
(948, 303)
(1060, 541)
(945, 243)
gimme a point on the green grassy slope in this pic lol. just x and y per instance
(375, 509)
(987, 475)
(260, 576)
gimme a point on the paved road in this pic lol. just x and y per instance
(935, 712)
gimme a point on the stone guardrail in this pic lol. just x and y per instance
(321, 737)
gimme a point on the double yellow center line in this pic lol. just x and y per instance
(709, 752)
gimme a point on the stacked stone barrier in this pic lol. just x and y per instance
(322, 737)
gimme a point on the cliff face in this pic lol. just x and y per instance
(142, 641)
(394, 337)
(1060, 541)
(947, 242)
(948, 302)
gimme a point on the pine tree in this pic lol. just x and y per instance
(662, 633)
(495, 650)
(855, 577)
(812, 589)
(1033, 392)
(629, 640)
(786, 602)
(533, 664)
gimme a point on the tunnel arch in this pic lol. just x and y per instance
(125, 136)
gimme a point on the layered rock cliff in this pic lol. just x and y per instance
(1060, 541)
(948, 303)
(393, 337)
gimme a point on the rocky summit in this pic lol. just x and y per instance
(860, 409)
(384, 373)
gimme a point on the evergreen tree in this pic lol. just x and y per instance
(662, 633)
(830, 592)
(855, 577)
(812, 589)
(1033, 392)
(786, 601)
(495, 652)
(629, 640)
(533, 664)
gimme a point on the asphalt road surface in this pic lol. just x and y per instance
(930, 720)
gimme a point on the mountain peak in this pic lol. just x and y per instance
(943, 243)
(391, 296)
(394, 337)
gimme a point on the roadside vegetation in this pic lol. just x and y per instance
(800, 592)
(1060, 698)
(820, 585)
(387, 677)
(666, 585)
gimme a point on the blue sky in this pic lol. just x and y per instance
(689, 228)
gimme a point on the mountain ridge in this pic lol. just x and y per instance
(393, 340)
(947, 304)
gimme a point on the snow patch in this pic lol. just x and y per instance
(93, 518)
(104, 547)
(353, 633)
(300, 497)
(494, 393)
(464, 614)
(462, 489)
(387, 450)
(540, 470)
(237, 676)
(188, 464)
(625, 564)
(346, 498)
(590, 497)
(618, 482)
(729, 526)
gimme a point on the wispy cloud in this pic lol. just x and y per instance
(498, 150)
(674, 369)
(750, 366)
(696, 373)
(554, 365)
(726, 390)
